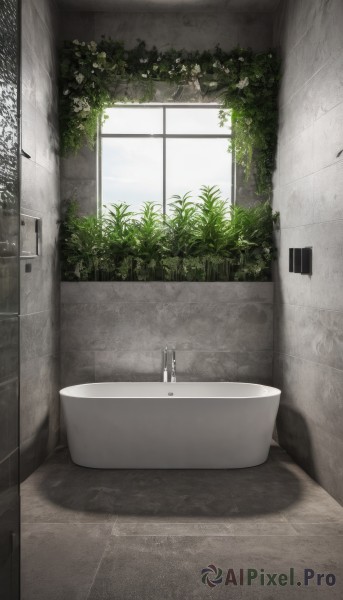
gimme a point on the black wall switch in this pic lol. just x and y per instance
(291, 259)
(297, 260)
(306, 261)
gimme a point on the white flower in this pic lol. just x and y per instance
(213, 84)
(66, 92)
(92, 46)
(241, 59)
(159, 58)
(80, 126)
(143, 60)
(78, 54)
(226, 70)
(270, 56)
(196, 84)
(76, 42)
(178, 60)
(248, 121)
(155, 67)
(183, 69)
(243, 83)
(196, 69)
(81, 104)
(216, 64)
(96, 65)
(102, 55)
(144, 75)
(83, 43)
(171, 72)
(79, 77)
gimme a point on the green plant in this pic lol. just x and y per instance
(84, 246)
(247, 82)
(204, 240)
(213, 224)
(180, 227)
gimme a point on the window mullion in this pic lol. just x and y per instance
(164, 163)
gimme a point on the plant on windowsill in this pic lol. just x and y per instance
(206, 240)
(91, 75)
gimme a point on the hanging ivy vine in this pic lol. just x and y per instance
(246, 83)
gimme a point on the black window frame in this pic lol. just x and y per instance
(164, 136)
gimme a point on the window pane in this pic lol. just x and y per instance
(138, 119)
(195, 121)
(196, 162)
(132, 171)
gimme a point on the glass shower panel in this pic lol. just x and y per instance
(9, 305)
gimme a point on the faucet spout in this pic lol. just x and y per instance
(173, 368)
(165, 365)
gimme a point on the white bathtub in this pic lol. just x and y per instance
(169, 426)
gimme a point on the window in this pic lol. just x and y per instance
(151, 152)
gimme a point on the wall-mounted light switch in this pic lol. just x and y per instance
(306, 261)
(291, 260)
(300, 260)
(297, 260)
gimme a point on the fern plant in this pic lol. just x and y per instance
(213, 223)
(180, 227)
(201, 240)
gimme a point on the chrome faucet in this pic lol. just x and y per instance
(165, 365)
(173, 368)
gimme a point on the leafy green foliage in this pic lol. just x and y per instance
(248, 84)
(205, 240)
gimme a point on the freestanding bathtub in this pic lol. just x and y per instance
(169, 426)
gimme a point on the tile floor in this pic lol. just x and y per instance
(146, 535)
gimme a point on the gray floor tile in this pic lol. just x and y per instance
(326, 529)
(59, 562)
(169, 568)
(170, 529)
(263, 528)
(156, 530)
(39, 509)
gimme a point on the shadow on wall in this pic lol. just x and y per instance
(293, 434)
(215, 494)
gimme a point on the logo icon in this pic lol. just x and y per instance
(212, 576)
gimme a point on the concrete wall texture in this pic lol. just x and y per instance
(308, 324)
(116, 331)
(39, 289)
(189, 30)
(195, 30)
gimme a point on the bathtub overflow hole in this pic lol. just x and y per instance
(170, 393)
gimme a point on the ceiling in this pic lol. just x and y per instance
(169, 5)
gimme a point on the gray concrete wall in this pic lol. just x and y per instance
(39, 289)
(308, 363)
(116, 331)
(190, 30)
